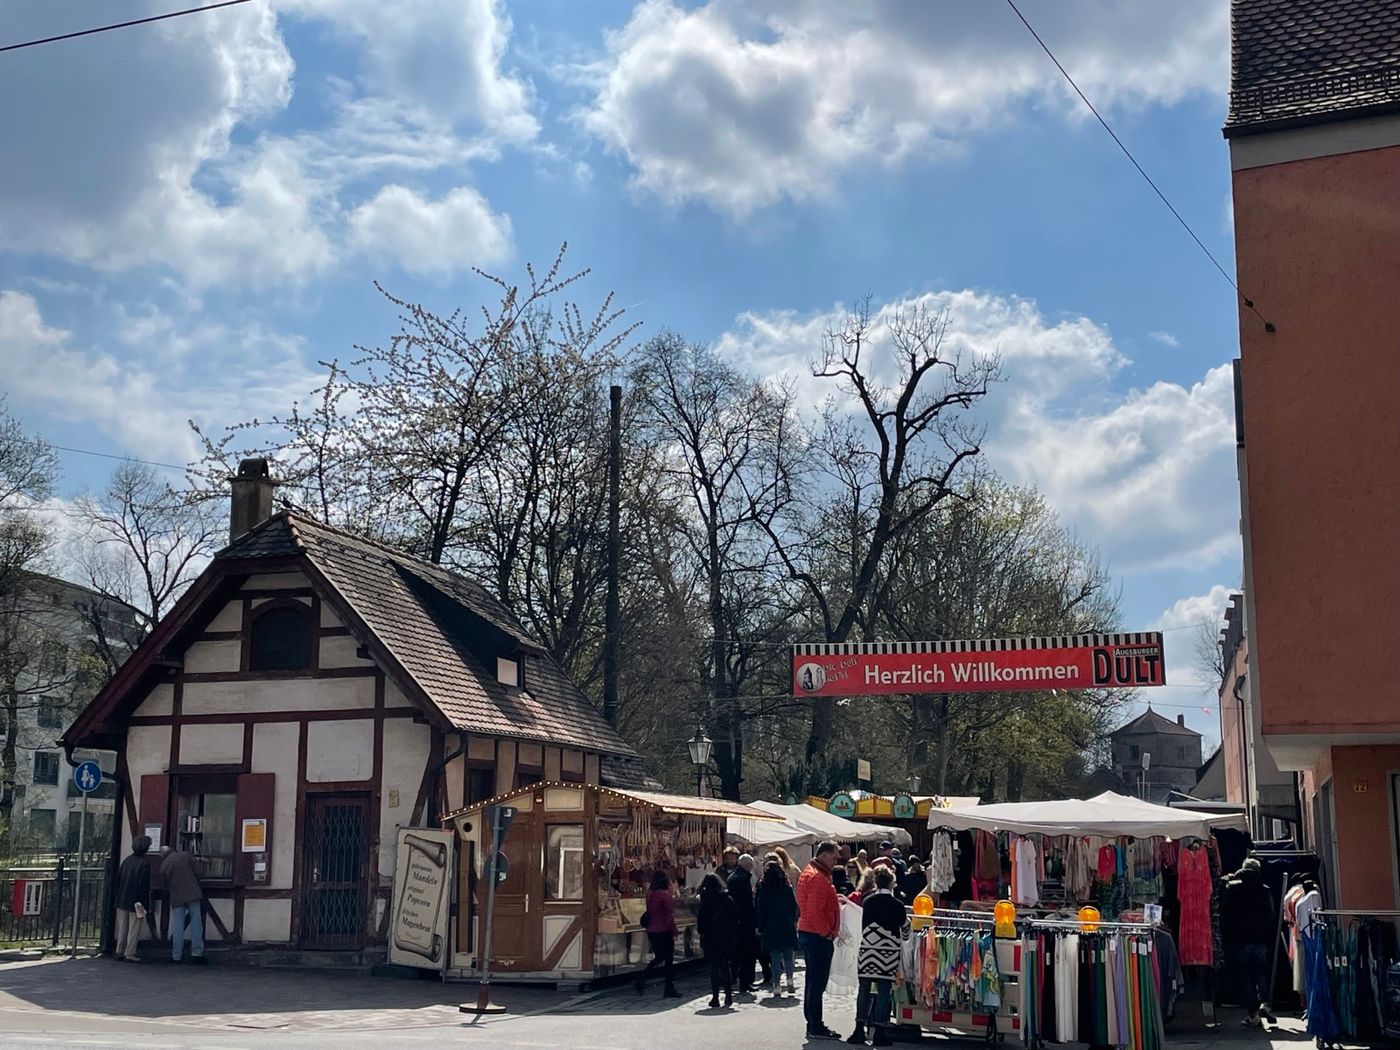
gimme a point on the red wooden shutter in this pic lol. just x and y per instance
(257, 794)
(155, 806)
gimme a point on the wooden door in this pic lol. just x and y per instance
(335, 866)
(515, 936)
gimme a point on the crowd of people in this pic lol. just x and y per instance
(753, 920)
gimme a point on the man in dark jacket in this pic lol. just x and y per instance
(1249, 923)
(741, 890)
(180, 870)
(133, 899)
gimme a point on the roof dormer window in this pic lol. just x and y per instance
(510, 671)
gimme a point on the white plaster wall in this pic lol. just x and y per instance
(267, 920)
(147, 751)
(283, 694)
(339, 750)
(230, 618)
(225, 909)
(159, 701)
(406, 746)
(212, 744)
(213, 656)
(340, 652)
(454, 774)
(329, 618)
(268, 580)
(552, 764)
(275, 751)
(482, 748)
(505, 767)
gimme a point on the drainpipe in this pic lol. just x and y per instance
(1249, 802)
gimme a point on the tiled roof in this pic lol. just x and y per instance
(1151, 722)
(425, 615)
(624, 773)
(1303, 61)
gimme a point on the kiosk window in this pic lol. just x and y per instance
(564, 863)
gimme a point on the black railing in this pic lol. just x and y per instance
(39, 892)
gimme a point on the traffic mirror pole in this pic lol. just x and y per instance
(483, 1004)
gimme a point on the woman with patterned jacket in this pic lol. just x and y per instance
(883, 925)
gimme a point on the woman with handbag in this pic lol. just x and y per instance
(660, 923)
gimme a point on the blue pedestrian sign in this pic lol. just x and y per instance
(87, 776)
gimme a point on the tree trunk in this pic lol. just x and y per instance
(944, 731)
(7, 758)
(729, 749)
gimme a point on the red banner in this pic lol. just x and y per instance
(1002, 665)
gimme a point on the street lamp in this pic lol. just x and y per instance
(912, 783)
(701, 747)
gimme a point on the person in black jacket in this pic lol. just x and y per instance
(1249, 924)
(717, 922)
(776, 908)
(741, 889)
(133, 899)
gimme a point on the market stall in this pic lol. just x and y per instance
(826, 825)
(578, 862)
(762, 836)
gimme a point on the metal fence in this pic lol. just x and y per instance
(41, 890)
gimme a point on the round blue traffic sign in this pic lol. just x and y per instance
(87, 776)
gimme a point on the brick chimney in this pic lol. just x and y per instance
(1181, 720)
(251, 504)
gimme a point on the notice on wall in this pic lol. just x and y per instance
(990, 665)
(422, 878)
(254, 835)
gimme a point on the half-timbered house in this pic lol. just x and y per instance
(311, 693)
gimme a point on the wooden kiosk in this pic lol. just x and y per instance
(579, 862)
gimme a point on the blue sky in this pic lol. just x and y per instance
(191, 215)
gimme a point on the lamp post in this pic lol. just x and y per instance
(701, 747)
(912, 783)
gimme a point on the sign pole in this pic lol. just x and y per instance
(483, 1004)
(78, 874)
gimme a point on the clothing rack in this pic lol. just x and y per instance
(1367, 913)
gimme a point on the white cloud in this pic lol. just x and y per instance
(430, 237)
(741, 105)
(158, 148)
(172, 370)
(1145, 475)
(1183, 624)
(1165, 338)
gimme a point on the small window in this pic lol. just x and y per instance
(564, 863)
(281, 640)
(481, 784)
(42, 824)
(45, 767)
(50, 713)
(1133, 751)
(508, 671)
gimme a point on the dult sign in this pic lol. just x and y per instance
(997, 665)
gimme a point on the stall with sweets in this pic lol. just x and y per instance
(579, 860)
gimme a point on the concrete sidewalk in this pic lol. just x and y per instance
(236, 998)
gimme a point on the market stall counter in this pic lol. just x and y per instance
(578, 861)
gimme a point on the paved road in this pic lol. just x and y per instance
(99, 1003)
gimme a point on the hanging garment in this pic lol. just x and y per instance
(1322, 1020)
(1026, 857)
(1194, 892)
(940, 865)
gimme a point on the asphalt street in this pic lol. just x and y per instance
(98, 1003)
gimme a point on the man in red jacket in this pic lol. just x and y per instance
(818, 923)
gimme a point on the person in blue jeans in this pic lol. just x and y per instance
(180, 870)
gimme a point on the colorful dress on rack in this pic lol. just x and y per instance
(1193, 890)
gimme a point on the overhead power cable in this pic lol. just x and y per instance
(120, 25)
(1248, 302)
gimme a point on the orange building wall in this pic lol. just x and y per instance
(1365, 833)
(1232, 733)
(1318, 248)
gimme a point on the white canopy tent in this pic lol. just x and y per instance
(1109, 815)
(826, 826)
(766, 834)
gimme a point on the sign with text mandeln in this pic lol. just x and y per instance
(994, 665)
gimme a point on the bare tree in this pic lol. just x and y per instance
(143, 542)
(718, 438)
(893, 448)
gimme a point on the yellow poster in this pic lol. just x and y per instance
(255, 835)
